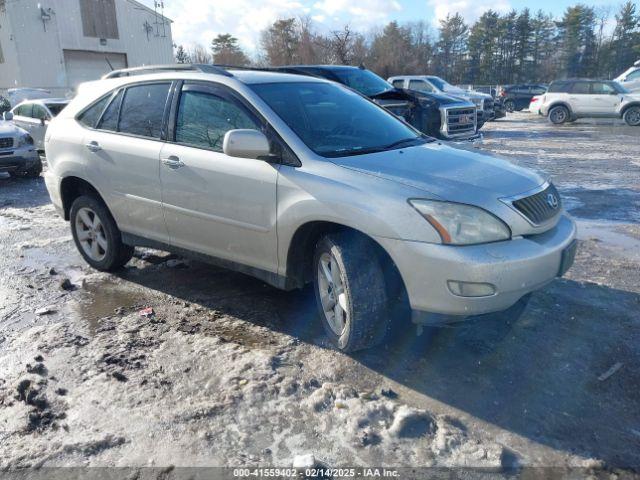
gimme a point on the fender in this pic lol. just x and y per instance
(634, 103)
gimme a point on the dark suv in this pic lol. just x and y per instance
(437, 115)
(518, 97)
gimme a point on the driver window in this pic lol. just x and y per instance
(39, 112)
(599, 88)
(398, 83)
(204, 119)
(420, 85)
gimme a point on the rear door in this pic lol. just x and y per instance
(123, 155)
(215, 204)
(580, 98)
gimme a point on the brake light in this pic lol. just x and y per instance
(534, 99)
(503, 93)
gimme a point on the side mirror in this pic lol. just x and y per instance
(7, 116)
(245, 143)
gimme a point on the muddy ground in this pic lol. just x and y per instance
(228, 371)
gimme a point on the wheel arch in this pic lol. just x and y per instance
(72, 187)
(560, 103)
(627, 107)
(299, 261)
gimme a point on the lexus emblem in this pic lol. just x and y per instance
(552, 201)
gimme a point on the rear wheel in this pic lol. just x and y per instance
(351, 291)
(97, 236)
(632, 116)
(559, 115)
(510, 105)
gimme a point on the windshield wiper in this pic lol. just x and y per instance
(402, 142)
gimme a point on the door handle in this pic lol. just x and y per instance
(173, 162)
(93, 146)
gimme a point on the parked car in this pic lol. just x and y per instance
(35, 115)
(499, 109)
(568, 100)
(302, 180)
(18, 155)
(630, 79)
(437, 115)
(518, 97)
(432, 84)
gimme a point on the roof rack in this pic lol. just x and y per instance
(178, 67)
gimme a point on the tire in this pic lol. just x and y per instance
(33, 172)
(632, 116)
(100, 244)
(510, 106)
(359, 317)
(559, 115)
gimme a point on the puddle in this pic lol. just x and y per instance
(102, 301)
(607, 233)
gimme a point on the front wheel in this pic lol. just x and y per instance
(351, 291)
(96, 235)
(632, 116)
(559, 115)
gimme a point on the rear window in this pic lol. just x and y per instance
(90, 116)
(559, 87)
(581, 88)
(56, 108)
(142, 110)
(109, 119)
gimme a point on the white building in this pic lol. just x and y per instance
(56, 44)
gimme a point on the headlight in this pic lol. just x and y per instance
(460, 224)
(25, 139)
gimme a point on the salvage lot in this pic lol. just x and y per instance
(229, 371)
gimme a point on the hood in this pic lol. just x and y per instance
(10, 129)
(440, 98)
(448, 173)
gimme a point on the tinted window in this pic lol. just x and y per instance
(420, 85)
(91, 115)
(109, 119)
(24, 110)
(558, 87)
(364, 81)
(334, 121)
(142, 110)
(39, 112)
(56, 108)
(203, 119)
(633, 75)
(398, 83)
(600, 88)
(581, 88)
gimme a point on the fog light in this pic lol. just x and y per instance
(471, 289)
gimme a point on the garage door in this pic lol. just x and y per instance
(82, 66)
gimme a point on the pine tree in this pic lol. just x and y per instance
(226, 51)
(181, 55)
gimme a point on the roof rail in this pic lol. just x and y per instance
(178, 67)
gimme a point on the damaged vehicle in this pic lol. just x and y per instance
(18, 155)
(299, 180)
(431, 84)
(438, 115)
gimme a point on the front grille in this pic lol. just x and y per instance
(6, 142)
(460, 121)
(540, 207)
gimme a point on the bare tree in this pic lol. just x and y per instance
(199, 54)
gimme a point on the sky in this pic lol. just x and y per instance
(199, 21)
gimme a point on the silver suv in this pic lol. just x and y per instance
(569, 100)
(298, 180)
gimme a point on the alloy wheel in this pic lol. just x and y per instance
(333, 296)
(558, 115)
(91, 234)
(633, 116)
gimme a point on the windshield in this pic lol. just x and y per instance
(443, 85)
(364, 81)
(334, 121)
(619, 88)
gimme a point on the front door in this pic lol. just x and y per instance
(215, 204)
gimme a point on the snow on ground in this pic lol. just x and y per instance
(231, 372)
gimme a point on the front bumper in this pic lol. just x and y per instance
(514, 268)
(18, 159)
(52, 182)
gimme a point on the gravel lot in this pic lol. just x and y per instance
(229, 371)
